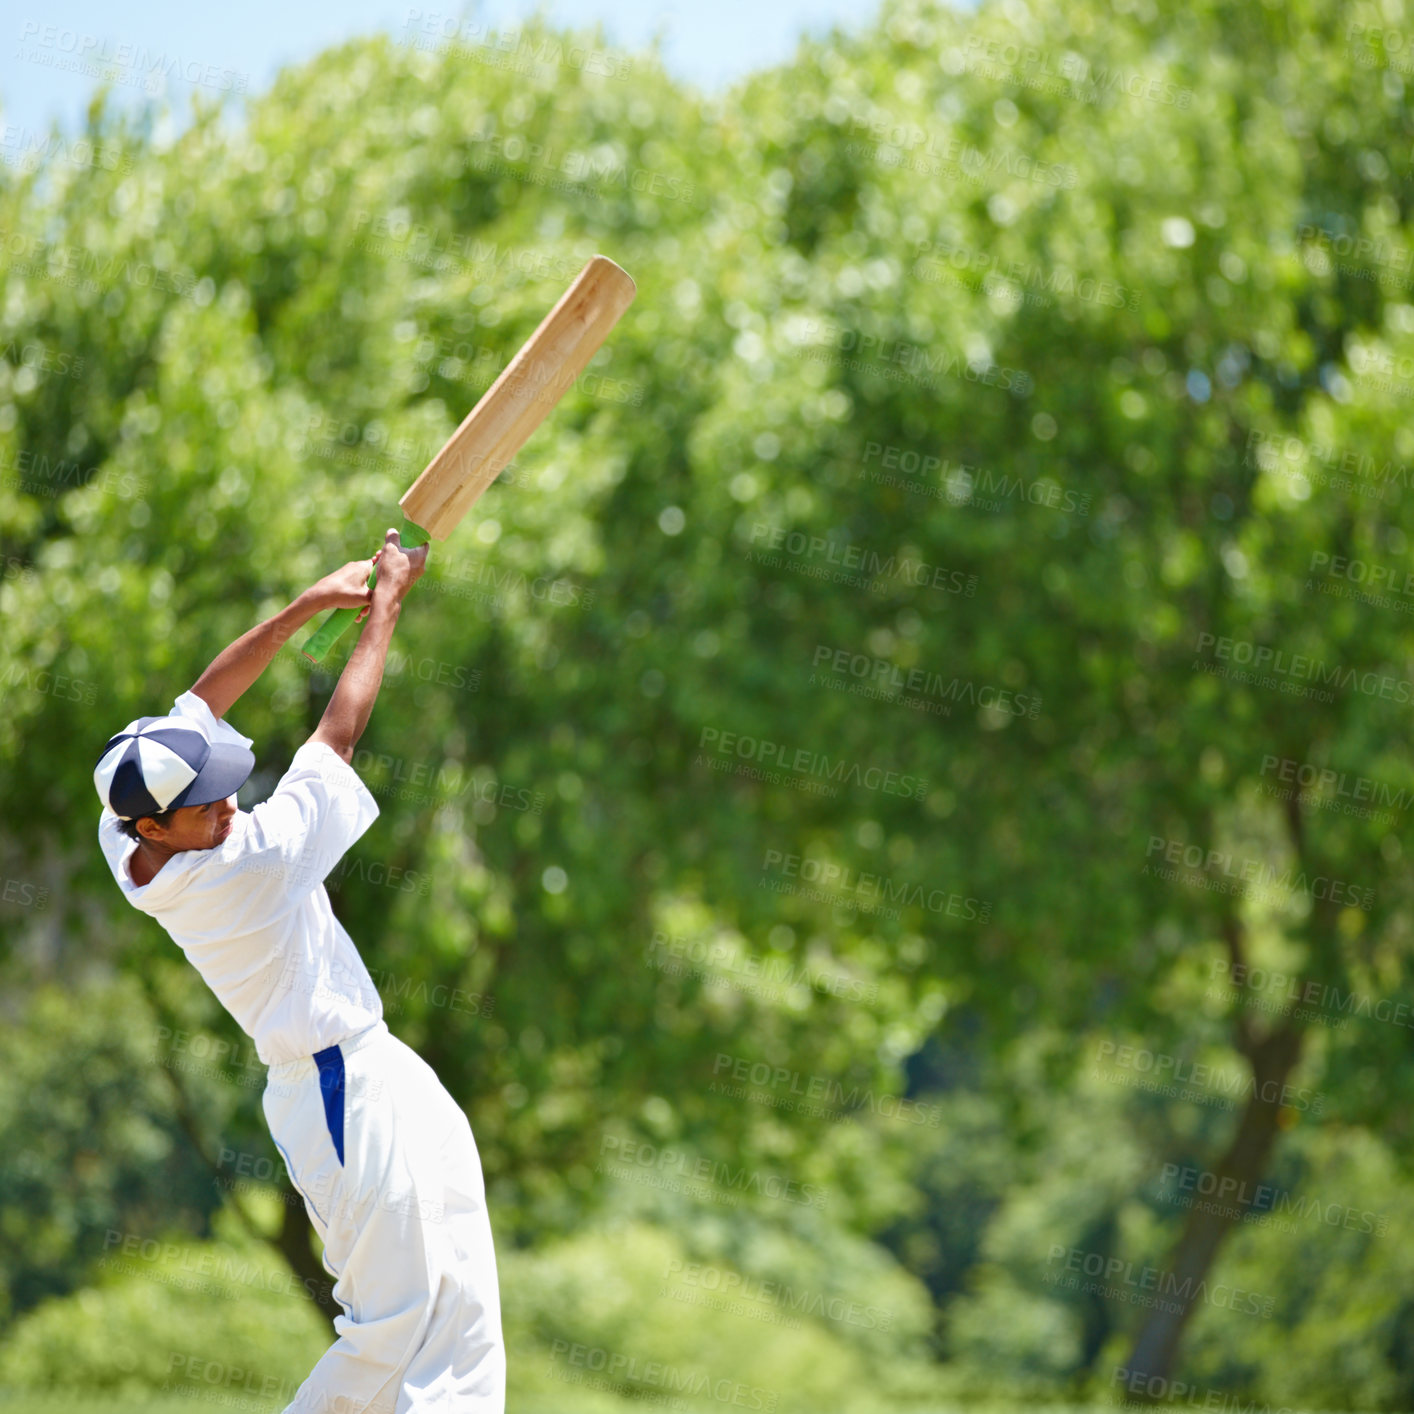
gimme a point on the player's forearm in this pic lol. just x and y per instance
(234, 669)
(349, 709)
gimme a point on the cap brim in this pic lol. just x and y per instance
(227, 769)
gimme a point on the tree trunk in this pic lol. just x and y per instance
(292, 1241)
(1156, 1350)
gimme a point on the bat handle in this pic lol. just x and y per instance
(318, 644)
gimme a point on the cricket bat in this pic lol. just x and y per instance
(509, 411)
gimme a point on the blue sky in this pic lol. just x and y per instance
(48, 52)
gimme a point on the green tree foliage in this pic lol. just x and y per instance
(90, 1150)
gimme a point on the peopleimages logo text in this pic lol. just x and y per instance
(1299, 667)
(1224, 866)
(803, 761)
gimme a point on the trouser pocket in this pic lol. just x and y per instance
(302, 1114)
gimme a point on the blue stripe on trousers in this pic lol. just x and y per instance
(331, 1083)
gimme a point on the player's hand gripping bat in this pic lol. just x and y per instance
(509, 411)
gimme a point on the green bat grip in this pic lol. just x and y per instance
(318, 644)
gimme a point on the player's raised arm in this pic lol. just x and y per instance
(352, 703)
(235, 668)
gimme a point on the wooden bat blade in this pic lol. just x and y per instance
(520, 399)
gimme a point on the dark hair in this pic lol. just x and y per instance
(162, 817)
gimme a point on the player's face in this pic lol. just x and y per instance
(200, 826)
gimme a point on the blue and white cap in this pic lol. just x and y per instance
(162, 763)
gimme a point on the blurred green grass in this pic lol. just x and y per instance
(20, 1403)
(81, 1403)
(78, 1403)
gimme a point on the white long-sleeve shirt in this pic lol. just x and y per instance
(252, 914)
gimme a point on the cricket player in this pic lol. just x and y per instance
(382, 1155)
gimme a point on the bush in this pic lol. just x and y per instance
(224, 1316)
(631, 1310)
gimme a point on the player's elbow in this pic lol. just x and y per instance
(335, 741)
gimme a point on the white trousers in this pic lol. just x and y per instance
(388, 1168)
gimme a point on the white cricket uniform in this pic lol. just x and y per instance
(382, 1154)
